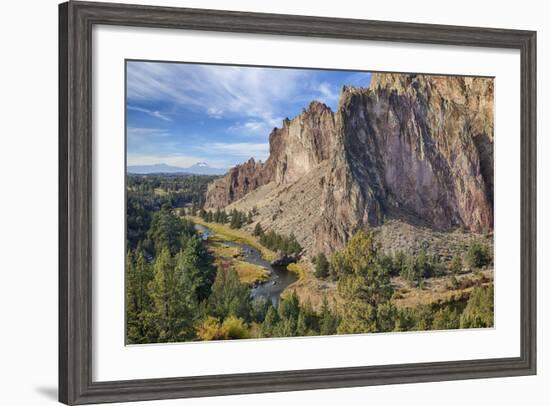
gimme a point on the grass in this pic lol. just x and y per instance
(225, 233)
(230, 256)
(303, 281)
(298, 269)
(221, 250)
(250, 273)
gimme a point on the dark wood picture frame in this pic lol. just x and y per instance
(76, 20)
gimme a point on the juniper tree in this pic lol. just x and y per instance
(363, 285)
(321, 266)
(258, 231)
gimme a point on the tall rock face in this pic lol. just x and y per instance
(412, 147)
(295, 149)
(302, 144)
(236, 183)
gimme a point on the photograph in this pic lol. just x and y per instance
(270, 202)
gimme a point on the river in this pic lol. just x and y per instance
(279, 277)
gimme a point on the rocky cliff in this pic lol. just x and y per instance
(410, 147)
(294, 150)
(236, 183)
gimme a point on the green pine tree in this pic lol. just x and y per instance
(363, 285)
(229, 296)
(173, 294)
(328, 321)
(258, 230)
(321, 266)
(138, 302)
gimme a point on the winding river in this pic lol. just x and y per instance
(279, 277)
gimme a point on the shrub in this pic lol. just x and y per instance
(453, 282)
(234, 328)
(210, 329)
(410, 270)
(479, 255)
(424, 264)
(321, 266)
(258, 230)
(386, 262)
(398, 262)
(445, 319)
(456, 265)
(404, 320)
(414, 269)
(479, 311)
(386, 316)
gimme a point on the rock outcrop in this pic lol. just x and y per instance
(410, 147)
(236, 183)
(294, 150)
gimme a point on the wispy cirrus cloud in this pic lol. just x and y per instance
(328, 92)
(218, 91)
(137, 132)
(152, 113)
(254, 128)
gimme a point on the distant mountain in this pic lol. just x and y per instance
(200, 168)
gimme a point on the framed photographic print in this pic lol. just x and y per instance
(257, 202)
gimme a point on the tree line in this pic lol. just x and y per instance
(287, 245)
(235, 218)
(143, 200)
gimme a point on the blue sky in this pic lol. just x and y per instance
(180, 114)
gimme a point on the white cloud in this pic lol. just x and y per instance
(216, 90)
(254, 127)
(152, 113)
(328, 93)
(214, 112)
(141, 131)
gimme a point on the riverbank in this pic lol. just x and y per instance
(237, 250)
(231, 257)
(306, 285)
(309, 288)
(225, 233)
